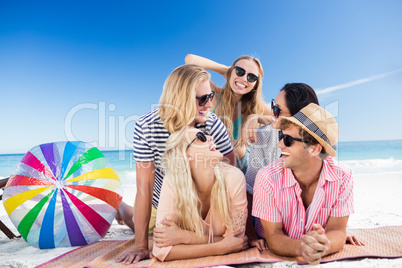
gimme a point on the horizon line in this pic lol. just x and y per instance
(16, 152)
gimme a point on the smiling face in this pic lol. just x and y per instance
(280, 102)
(202, 111)
(200, 151)
(295, 156)
(239, 84)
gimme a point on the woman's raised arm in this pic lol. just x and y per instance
(207, 64)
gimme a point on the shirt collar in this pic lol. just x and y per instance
(327, 174)
(327, 171)
(289, 178)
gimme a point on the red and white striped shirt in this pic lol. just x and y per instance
(277, 198)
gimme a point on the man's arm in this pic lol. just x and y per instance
(314, 245)
(278, 242)
(319, 242)
(142, 213)
(336, 233)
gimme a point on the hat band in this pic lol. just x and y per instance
(310, 125)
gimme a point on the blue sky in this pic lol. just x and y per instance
(87, 70)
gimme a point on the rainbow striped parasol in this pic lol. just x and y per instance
(62, 194)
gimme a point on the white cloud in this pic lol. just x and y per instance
(356, 82)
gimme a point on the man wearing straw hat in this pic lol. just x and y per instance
(303, 199)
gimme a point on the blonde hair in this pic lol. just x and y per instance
(252, 102)
(188, 204)
(177, 106)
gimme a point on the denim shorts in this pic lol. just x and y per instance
(243, 163)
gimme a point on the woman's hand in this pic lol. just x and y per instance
(233, 242)
(134, 256)
(249, 131)
(260, 244)
(354, 240)
(168, 235)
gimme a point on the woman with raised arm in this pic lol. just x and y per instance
(203, 205)
(240, 100)
(240, 106)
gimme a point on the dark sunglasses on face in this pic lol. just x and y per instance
(204, 98)
(275, 109)
(250, 76)
(200, 136)
(288, 140)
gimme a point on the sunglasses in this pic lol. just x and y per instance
(200, 136)
(275, 109)
(250, 76)
(204, 98)
(288, 140)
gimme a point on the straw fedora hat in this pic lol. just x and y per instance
(320, 124)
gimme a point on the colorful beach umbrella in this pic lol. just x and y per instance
(62, 194)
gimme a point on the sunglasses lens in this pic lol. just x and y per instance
(240, 71)
(276, 111)
(201, 136)
(287, 140)
(252, 78)
(203, 100)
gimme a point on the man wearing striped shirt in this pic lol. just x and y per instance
(303, 200)
(185, 101)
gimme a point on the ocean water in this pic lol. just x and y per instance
(371, 157)
(364, 157)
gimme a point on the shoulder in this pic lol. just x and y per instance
(230, 170)
(212, 118)
(214, 125)
(218, 90)
(270, 175)
(149, 118)
(272, 170)
(336, 172)
(234, 177)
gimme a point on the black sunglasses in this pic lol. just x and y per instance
(250, 76)
(275, 109)
(204, 98)
(288, 140)
(200, 136)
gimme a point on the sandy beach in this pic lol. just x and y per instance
(378, 202)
